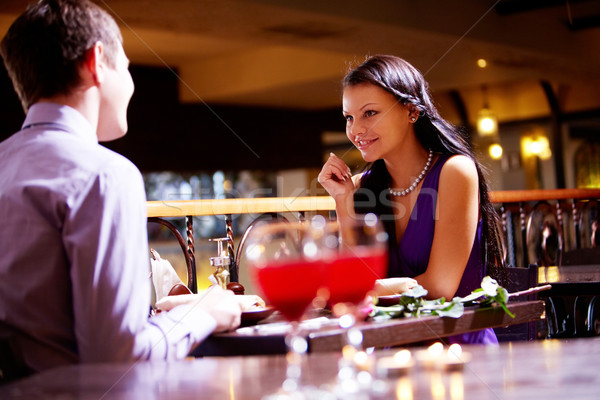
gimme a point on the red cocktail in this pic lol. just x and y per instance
(289, 286)
(352, 275)
(355, 256)
(286, 266)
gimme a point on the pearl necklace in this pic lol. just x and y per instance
(404, 192)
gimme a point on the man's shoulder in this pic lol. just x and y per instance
(96, 159)
(55, 157)
(111, 166)
(113, 159)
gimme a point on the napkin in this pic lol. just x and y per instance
(164, 276)
(276, 328)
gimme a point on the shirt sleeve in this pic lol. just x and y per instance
(105, 236)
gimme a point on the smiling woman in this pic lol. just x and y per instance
(424, 182)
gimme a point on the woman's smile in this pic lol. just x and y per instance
(364, 144)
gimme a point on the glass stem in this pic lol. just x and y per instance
(353, 338)
(354, 368)
(297, 347)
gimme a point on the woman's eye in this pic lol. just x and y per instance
(370, 113)
(348, 118)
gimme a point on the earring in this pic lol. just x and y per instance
(413, 119)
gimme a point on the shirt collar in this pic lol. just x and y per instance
(61, 117)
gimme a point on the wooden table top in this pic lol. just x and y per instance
(269, 338)
(546, 369)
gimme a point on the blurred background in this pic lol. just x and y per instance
(241, 98)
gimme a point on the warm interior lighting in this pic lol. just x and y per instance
(495, 151)
(455, 350)
(487, 124)
(436, 349)
(403, 357)
(404, 390)
(482, 63)
(536, 146)
(457, 386)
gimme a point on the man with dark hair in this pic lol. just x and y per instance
(74, 259)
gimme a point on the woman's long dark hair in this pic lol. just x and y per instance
(408, 86)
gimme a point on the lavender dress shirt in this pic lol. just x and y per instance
(74, 260)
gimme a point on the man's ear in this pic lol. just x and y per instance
(94, 64)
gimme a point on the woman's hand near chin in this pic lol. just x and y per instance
(336, 178)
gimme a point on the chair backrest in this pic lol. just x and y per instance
(519, 279)
(187, 247)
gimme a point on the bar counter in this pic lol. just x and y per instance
(545, 369)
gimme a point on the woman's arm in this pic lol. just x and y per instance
(455, 228)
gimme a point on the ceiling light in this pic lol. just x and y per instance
(482, 63)
(487, 123)
(495, 151)
(536, 146)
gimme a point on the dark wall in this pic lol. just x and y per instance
(166, 135)
(11, 112)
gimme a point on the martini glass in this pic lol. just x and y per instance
(285, 265)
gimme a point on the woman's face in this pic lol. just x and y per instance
(376, 123)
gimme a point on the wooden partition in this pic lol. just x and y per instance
(158, 210)
(543, 227)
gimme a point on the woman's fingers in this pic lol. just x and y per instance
(343, 169)
(336, 177)
(335, 167)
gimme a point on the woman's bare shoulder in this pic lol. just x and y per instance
(459, 167)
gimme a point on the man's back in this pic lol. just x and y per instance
(74, 260)
(54, 174)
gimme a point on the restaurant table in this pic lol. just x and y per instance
(323, 334)
(544, 369)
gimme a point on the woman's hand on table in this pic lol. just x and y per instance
(393, 286)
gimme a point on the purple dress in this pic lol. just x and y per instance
(410, 257)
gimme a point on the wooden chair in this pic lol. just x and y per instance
(518, 279)
(187, 247)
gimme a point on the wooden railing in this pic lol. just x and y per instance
(549, 227)
(159, 210)
(544, 227)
